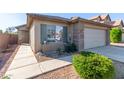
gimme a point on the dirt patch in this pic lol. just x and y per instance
(42, 58)
(67, 72)
(7, 57)
(51, 55)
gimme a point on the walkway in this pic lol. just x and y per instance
(118, 44)
(25, 65)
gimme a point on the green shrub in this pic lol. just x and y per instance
(59, 51)
(93, 66)
(5, 77)
(70, 47)
(115, 35)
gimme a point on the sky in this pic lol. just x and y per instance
(15, 19)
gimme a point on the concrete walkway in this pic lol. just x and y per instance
(118, 44)
(25, 65)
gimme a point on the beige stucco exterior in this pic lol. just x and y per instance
(23, 35)
(35, 35)
(78, 33)
(75, 33)
(32, 37)
(122, 37)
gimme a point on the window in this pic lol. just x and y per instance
(53, 33)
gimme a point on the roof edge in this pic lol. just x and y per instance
(23, 25)
(93, 22)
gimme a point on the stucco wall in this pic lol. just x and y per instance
(23, 36)
(122, 37)
(95, 27)
(32, 37)
(78, 33)
(35, 36)
(75, 31)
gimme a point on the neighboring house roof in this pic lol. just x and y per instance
(24, 26)
(90, 22)
(102, 17)
(116, 23)
(94, 17)
(17, 27)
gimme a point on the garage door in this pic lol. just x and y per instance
(93, 38)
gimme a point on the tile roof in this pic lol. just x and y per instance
(17, 27)
(48, 16)
(73, 19)
(91, 22)
(94, 17)
(102, 17)
(116, 22)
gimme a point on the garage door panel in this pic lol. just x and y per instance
(93, 38)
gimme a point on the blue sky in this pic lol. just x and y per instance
(8, 20)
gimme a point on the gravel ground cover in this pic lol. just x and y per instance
(7, 58)
(67, 72)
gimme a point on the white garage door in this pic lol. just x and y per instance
(93, 38)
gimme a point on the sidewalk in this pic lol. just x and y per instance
(118, 44)
(25, 65)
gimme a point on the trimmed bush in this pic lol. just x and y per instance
(115, 35)
(70, 48)
(93, 66)
(60, 51)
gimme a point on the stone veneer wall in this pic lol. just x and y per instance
(78, 36)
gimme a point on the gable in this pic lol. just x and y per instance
(96, 19)
(108, 19)
(105, 18)
(101, 18)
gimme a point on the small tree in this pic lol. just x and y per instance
(11, 30)
(115, 35)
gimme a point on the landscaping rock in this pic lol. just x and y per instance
(40, 54)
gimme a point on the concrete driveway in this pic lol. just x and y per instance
(115, 53)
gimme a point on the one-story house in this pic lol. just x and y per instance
(107, 20)
(48, 33)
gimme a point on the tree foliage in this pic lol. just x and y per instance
(115, 35)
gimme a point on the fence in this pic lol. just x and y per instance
(6, 39)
